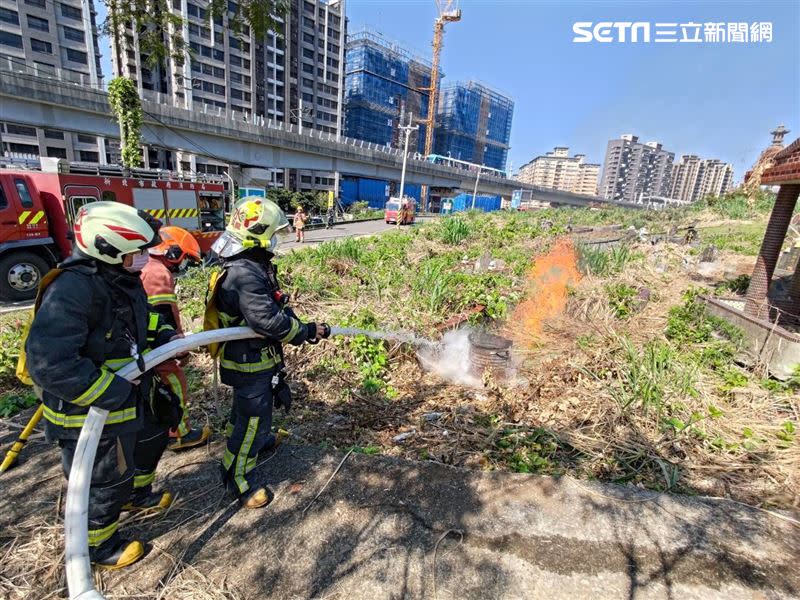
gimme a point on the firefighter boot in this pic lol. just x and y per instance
(195, 437)
(256, 497)
(145, 499)
(117, 556)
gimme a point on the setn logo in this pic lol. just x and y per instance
(607, 31)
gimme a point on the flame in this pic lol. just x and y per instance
(547, 287)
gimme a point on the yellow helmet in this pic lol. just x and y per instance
(253, 224)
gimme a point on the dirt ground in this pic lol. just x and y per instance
(391, 528)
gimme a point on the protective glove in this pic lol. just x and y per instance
(281, 392)
(165, 405)
(314, 336)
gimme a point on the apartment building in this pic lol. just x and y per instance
(694, 178)
(560, 171)
(473, 123)
(636, 172)
(384, 82)
(58, 38)
(293, 75)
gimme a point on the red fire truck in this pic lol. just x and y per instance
(38, 208)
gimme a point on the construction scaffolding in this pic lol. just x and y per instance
(382, 82)
(474, 124)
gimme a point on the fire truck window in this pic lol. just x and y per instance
(109, 196)
(3, 201)
(24, 195)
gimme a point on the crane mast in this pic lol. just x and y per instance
(447, 14)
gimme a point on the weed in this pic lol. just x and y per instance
(738, 285)
(528, 451)
(13, 402)
(622, 298)
(368, 450)
(650, 376)
(453, 230)
(604, 263)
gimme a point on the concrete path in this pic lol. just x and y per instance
(389, 529)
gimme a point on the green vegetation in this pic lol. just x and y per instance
(604, 263)
(739, 238)
(623, 299)
(13, 402)
(127, 107)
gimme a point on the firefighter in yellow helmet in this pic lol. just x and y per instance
(91, 318)
(247, 293)
(177, 250)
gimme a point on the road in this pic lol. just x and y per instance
(313, 237)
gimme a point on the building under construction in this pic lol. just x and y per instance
(382, 82)
(473, 123)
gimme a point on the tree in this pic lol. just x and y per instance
(282, 197)
(127, 107)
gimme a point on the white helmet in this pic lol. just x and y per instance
(107, 231)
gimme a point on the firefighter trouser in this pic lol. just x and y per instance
(111, 486)
(171, 374)
(251, 417)
(150, 445)
(113, 479)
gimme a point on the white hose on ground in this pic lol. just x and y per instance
(80, 581)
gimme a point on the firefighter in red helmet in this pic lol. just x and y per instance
(177, 250)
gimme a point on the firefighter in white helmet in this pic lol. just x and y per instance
(247, 292)
(91, 318)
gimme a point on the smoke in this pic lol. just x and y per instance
(449, 359)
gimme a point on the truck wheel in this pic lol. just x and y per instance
(20, 274)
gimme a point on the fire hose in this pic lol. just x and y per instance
(80, 581)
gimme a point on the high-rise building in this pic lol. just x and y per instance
(694, 178)
(293, 75)
(560, 171)
(56, 38)
(635, 172)
(473, 123)
(383, 83)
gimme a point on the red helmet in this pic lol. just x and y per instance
(176, 245)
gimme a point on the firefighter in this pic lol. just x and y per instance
(246, 292)
(177, 250)
(91, 318)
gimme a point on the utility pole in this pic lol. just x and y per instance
(475, 191)
(406, 129)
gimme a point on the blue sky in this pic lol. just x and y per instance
(718, 101)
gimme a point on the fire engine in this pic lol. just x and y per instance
(38, 208)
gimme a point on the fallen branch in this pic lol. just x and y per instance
(349, 452)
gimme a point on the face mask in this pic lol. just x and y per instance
(139, 261)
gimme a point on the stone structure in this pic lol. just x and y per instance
(57, 39)
(635, 172)
(560, 171)
(785, 172)
(694, 178)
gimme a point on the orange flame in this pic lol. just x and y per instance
(547, 287)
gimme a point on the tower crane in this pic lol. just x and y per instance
(447, 14)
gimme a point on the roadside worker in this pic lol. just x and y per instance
(299, 224)
(330, 219)
(246, 292)
(91, 318)
(177, 250)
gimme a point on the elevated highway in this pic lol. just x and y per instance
(30, 98)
